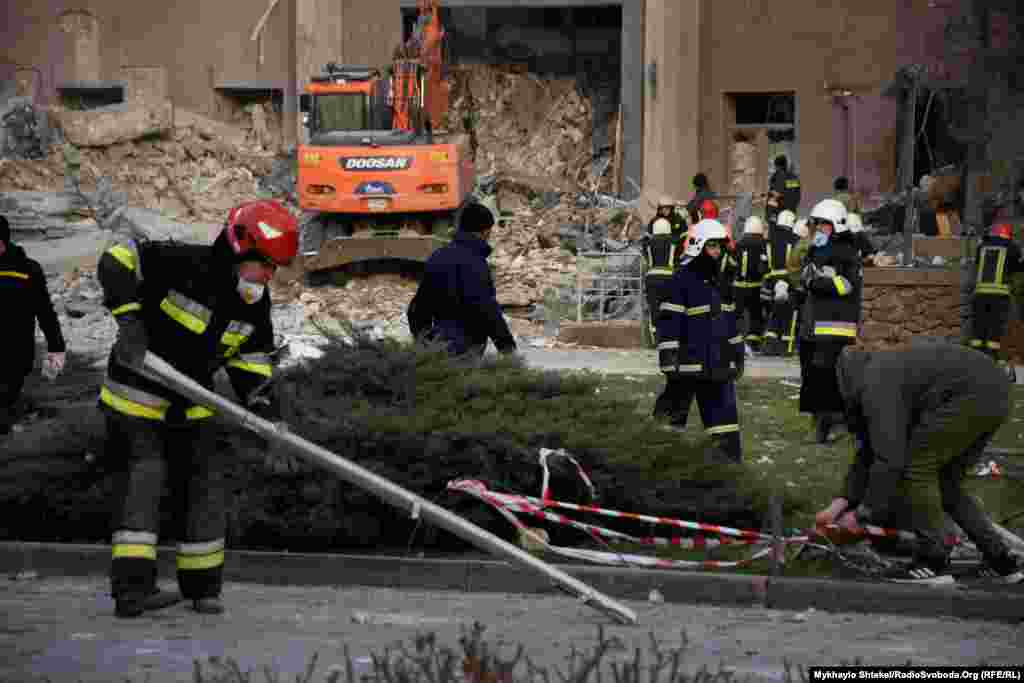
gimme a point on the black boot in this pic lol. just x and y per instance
(208, 606)
(129, 606)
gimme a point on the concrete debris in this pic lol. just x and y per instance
(116, 123)
(26, 132)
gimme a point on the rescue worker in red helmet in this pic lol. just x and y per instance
(997, 260)
(201, 308)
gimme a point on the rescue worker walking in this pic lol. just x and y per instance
(922, 418)
(782, 242)
(699, 348)
(456, 301)
(831, 277)
(751, 267)
(660, 256)
(200, 308)
(998, 259)
(783, 190)
(25, 300)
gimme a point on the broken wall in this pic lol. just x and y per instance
(370, 31)
(808, 49)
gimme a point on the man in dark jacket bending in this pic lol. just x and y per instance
(921, 418)
(456, 301)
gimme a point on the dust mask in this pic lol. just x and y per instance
(820, 239)
(251, 292)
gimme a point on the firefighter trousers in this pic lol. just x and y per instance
(750, 314)
(944, 447)
(716, 402)
(11, 384)
(781, 327)
(819, 386)
(990, 320)
(155, 455)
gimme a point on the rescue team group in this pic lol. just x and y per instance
(920, 417)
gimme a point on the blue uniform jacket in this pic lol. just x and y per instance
(697, 331)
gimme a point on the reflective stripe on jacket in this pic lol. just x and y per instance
(186, 297)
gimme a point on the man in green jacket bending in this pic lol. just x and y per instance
(921, 418)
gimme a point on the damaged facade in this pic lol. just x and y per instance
(688, 77)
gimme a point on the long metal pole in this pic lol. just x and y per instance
(388, 491)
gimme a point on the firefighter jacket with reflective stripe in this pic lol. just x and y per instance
(998, 260)
(781, 245)
(697, 332)
(195, 320)
(786, 184)
(832, 307)
(25, 300)
(660, 255)
(751, 261)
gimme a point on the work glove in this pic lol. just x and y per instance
(828, 271)
(809, 274)
(53, 365)
(781, 291)
(265, 404)
(766, 291)
(132, 341)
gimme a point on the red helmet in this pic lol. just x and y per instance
(262, 230)
(708, 209)
(1004, 230)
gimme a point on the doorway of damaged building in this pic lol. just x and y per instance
(255, 106)
(760, 127)
(581, 40)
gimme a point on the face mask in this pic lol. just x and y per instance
(820, 239)
(251, 292)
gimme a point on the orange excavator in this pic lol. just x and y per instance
(380, 178)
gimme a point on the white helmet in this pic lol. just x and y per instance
(801, 229)
(854, 223)
(707, 229)
(753, 226)
(661, 227)
(786, 219)
(832, 211)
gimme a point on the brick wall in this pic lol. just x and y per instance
(903, 303)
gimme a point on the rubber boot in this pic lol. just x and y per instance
(822, 426)
(128, 607)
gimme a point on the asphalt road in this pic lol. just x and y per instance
(62, 629)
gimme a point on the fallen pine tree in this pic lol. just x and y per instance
(412, 415)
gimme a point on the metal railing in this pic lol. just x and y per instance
(609, 285)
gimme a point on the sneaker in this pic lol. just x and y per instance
(919, 574)
(1011, 572)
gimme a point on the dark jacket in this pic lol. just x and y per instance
(997, 261)
(25, 300)
(781, 244)
(787, 184)
(456, 300)
(751, 261)
(832, 307)
(194, 318)
(661, 253)
(697, 332)
(888, 394)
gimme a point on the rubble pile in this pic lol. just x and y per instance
(192, 174)
(524, 124)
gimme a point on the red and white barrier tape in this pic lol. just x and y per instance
(509, 504)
